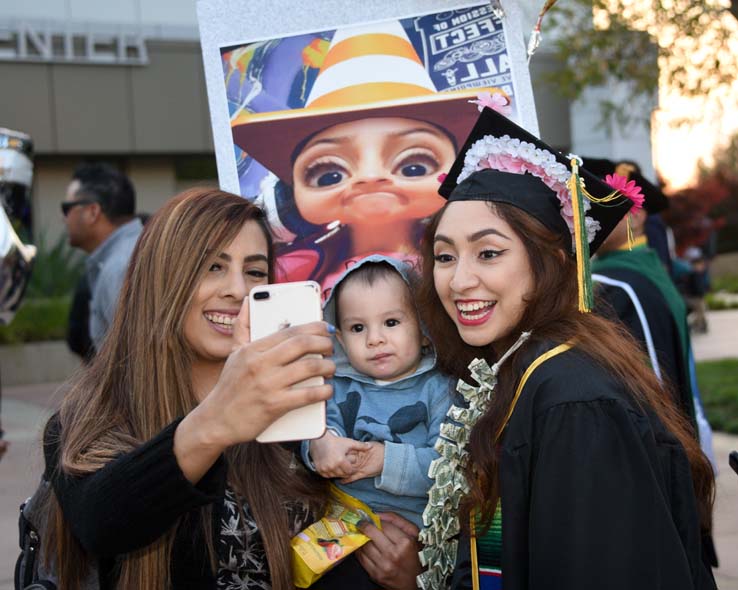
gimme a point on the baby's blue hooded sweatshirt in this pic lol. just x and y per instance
(405, 415)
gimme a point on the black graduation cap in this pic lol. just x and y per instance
(654, 200)
(540, 197)
(501, 162)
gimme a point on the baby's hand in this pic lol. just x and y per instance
(334, 456)
(367, 463)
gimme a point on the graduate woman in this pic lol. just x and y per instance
(565, 466)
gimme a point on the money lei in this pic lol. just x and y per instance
(441, 514)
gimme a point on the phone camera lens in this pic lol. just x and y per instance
(261, 295)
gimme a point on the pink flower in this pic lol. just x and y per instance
(495, 101)
(508, 163)
(536, 171)
(491, 161)
(628, 189)
(567, 209)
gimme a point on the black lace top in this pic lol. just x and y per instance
(242, 563)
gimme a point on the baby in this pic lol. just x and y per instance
(389, 400)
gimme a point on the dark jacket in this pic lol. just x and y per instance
(78, 328)
(134, 500)
(595, 492)
(138, 497)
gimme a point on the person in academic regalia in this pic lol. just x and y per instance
(635, 288)
(564, 466)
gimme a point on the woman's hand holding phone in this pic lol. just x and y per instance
(254, 389)
(256, 384)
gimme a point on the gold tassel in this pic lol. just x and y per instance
(581, 245)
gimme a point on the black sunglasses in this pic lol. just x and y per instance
(67, 206)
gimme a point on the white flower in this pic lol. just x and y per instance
(557, 171)
(509, 145)
(593, 226)
(538, 157)
(527, 151)
(542, 164)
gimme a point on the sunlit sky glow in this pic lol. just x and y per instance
(678, 148)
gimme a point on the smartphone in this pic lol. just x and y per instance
(273, 308)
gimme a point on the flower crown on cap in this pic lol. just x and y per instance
(510, 154)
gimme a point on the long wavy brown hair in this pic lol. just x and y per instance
(551, 315)
(111, 407)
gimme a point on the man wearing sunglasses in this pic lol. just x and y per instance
(99, 212)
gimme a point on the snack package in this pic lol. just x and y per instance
(325, 543)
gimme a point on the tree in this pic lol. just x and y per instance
(683, 47)
(711, 205)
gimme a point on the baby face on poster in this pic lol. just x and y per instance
(373, 174)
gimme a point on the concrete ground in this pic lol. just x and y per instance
(25, 409)
(721, 339)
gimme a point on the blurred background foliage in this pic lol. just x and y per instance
(681, 47)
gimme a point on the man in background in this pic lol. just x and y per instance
(99, 212)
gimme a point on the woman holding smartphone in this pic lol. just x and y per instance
(157, 480)
(570, 466)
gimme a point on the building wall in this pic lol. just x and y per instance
(107, 109)
(142, 118)
(553, 110)
(631, 142)
(50, 180)
(155, 181)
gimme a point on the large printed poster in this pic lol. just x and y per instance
(341, 134)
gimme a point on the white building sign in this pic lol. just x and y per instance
(43, 42)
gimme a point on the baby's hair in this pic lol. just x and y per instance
(369, 273)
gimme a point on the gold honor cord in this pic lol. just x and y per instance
(639, 241)
(474, 558)
(528, 372)
(533, 366)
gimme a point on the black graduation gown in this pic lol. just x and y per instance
(595, 492)
(614, 303)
